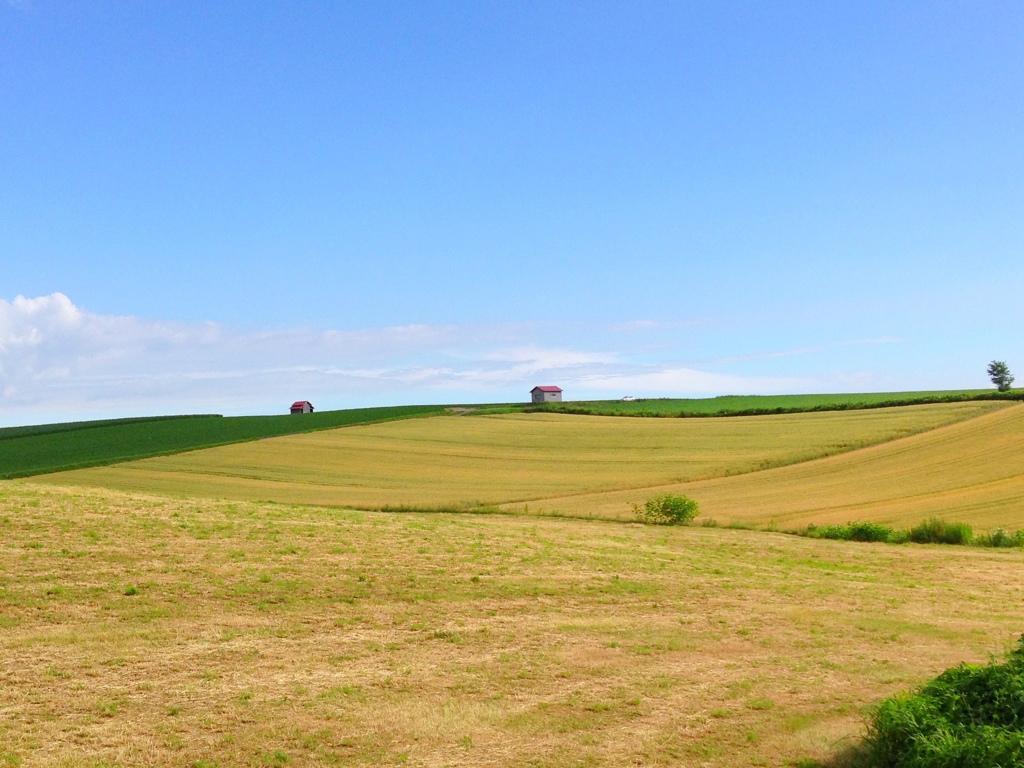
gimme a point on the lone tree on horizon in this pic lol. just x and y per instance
(1000, 375)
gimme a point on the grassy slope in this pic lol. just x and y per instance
(273, 635)
(28, 451)
(972, 471)
(460, 461)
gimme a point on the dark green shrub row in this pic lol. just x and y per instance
(932, 531)
(970, 716)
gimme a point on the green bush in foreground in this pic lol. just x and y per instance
(666, 509)
(970, 716)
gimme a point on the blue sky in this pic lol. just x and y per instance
(225, 206)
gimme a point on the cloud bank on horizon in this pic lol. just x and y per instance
(57, 358)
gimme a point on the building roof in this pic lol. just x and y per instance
(300, 403)
(547, 389)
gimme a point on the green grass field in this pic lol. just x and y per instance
(26, 451)
(139, 630)
(10, 433)
(461, 462)
(759, 405)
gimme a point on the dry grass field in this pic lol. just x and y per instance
(466, 461)
(139, 630)
(972, 472)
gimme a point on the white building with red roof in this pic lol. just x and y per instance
(546, 394)
(302, 406)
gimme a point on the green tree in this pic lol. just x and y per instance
(1000, 375)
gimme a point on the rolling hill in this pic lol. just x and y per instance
(460, 462)
(971, 471)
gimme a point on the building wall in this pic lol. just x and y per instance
(546, 397)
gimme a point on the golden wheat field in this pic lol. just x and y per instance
(146, 631)
(467, 461)
(972, 471)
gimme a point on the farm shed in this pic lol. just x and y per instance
(546, 394)
(302, 406)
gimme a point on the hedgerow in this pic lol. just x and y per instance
(933, 531)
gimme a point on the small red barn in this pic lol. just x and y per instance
(302, 406)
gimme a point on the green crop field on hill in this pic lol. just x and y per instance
(463, 462)
(26, 451)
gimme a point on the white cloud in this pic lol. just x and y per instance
(59, 359)
(806, 350)
(690, 381)
(650, 325)
(543, 358)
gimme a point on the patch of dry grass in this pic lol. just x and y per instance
(971, 472)
(520, 458)
(140, 630)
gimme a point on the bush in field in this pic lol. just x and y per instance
(970, 716)
(1000, 538)
(940, 532)
(853, 532)
(667, 509)
(869, 532)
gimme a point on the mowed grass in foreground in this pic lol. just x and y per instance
(467, 461)
(148, 631)
(971, 472)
